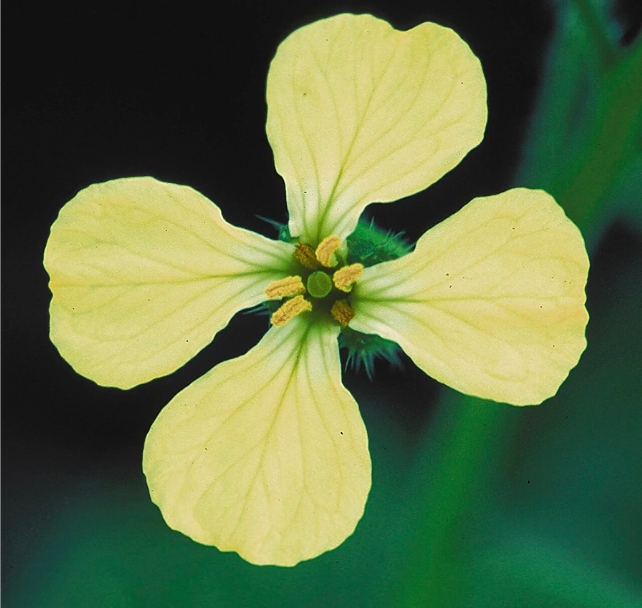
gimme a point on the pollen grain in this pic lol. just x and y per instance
(325, 250)
(346, 277)
(290, 309)
(304, 254)
(290, 286)
(342, 312)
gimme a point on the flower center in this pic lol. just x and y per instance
(327, 288)
(319, 284)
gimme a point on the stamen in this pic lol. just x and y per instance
(304, 254)
(290, 286)
(342, 312)
(346, 277)
(290, 309)
(325, 250)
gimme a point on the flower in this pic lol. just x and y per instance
(267, 454)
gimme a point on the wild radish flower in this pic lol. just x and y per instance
(267, 454)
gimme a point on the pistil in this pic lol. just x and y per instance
(319, 284)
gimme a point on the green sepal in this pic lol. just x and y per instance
(370, 245)
(367, 245)
(364, 349)
(282, 229)
(267, 308)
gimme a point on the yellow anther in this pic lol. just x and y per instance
(304, 254)
(342, 312)
(290, 309)
(290, 286)
(346, 277)
(325, 250)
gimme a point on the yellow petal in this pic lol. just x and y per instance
(491, 302)
(359, 112)
(144, 273)
(265, 455)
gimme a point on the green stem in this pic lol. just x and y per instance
(600, 38)
(559, 109)
(609, 144)
(463, 442)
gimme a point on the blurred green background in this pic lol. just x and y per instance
(473, 503)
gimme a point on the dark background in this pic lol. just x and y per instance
(176, 90)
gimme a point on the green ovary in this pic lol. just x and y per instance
(319, 284)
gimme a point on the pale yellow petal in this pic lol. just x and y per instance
(359, 112)
(144, 273)
(265, 455)
(491, 302)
